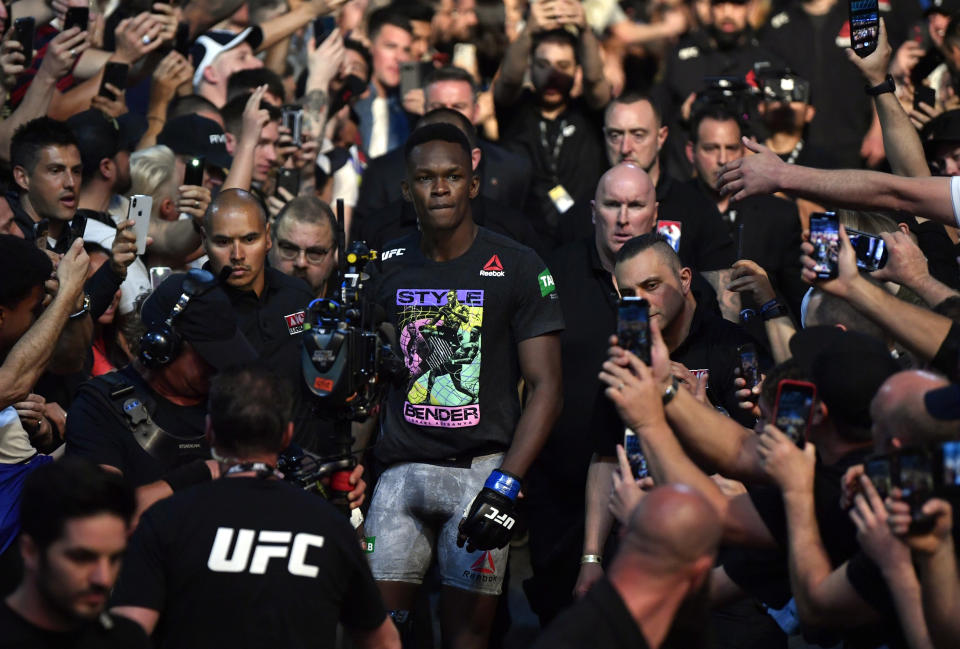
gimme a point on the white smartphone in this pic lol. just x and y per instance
(465, 56)
(139, 210)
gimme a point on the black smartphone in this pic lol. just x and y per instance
(23, 31)
(322, 28)
(794, 409)
(916, 482)
(292, 118)
(924, 95)
(41, 233)
(749, 368)
(825, 238)
(635, 456)
(116, 75)
(950, 466)
(871, 250)
(77, 17)
(864, 26)
(633, 326)
(288, 179)
(181, 42)
(193, 173)
(78, 225)
(410, 77)
(880, 470)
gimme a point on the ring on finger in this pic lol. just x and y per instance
(145, 39)
(73, 52)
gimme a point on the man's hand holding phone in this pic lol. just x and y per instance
(123, 252)
(848, 275)
(789, 467)
(193, 200)
(874, 66)
(627, 490)
(72, 273)
(635, 389)
(938, 538)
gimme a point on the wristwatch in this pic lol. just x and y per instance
(671, 391)
(887, 86)
(84, 309)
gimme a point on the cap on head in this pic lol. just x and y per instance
(192, 135)
(212, 44)
(207, 321)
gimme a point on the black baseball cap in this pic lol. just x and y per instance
(942, 129)
(212, 44)
(945, 7)
(208, 322)
(847, 367)
(785, 86)
(98, 137)
(192, 135)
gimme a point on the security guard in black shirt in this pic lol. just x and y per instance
(270, 306)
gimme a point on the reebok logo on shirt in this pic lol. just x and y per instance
(493, 268)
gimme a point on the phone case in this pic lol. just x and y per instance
(139, 211)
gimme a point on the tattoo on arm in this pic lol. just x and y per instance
(315, 111)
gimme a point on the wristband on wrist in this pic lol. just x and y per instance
(591, 558)
(503, 483)
(887, 85)
(195, 472)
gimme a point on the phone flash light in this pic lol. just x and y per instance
(787, 84)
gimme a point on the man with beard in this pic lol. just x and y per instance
(557, 133)
(75, 522)
(727, 47)
(304, 245)
(663, 565)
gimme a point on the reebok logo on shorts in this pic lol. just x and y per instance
(482, 570)
(493, 268)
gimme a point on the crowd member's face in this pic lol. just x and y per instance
(7, 223)
(464, 19)
(650, 276)
(233, 60)
(239, 237)
(420, 43)
(625, 207)
(76, 572)
(54, 183)
(15, 320)
(390, 48)
(355, 64)
(946, 160)
(937, 27)
(717, 144)
(729, 19)
(455, 95)
(786, 117)
(265, 154)
(554, 65)
(311, 247)
(632, 134)
(121, 184)
(440, 184)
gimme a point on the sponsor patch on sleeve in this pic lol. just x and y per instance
(295, 322)
(546, 283)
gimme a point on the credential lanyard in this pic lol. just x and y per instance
(553, 155)
(262, 469)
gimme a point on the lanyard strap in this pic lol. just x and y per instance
(262, 470)
(792, 158)
(553, 155)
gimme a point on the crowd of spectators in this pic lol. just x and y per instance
(184, 184)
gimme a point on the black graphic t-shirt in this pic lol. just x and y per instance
(458, 324)
(248, 562)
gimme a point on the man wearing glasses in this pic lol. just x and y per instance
(304, 244)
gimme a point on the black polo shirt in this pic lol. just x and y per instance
(600, 619)
(273, 323)
(579, 163)
(704, 242)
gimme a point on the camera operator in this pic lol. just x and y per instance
(186, 586)
(456, 428)
(146, 420)
(76, 517)
(660, 573)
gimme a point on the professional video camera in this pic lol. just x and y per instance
(348, 360)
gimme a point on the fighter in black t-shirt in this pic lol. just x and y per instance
(475, 312)
(249, 560)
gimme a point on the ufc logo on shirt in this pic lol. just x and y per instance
(269, 545)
